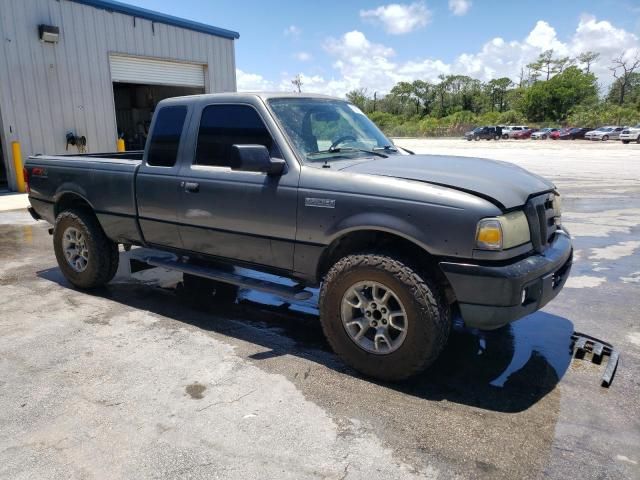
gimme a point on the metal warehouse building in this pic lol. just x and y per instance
(78, 74)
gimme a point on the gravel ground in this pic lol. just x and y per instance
(134, 382)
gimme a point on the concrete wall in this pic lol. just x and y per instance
(47, 89)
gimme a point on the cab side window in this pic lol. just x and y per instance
(223, 126)
(165, 138)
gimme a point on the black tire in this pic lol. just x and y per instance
(625, 142)
(103, 255)
(496, 137)
(505, 136)
(428, 316)
(638, 139)
(204, 290)
(476, 138)
(469, 139)
(544, 137)
(605, 138)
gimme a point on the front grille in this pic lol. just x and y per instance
(626, 131)
(542, 223)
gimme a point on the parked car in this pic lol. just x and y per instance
(513, 130)
(556, 135)
(630, 134)
(485, 133)
(604, 133)
(543, 133)
(574, 133)
(348, 212)
(523, 134)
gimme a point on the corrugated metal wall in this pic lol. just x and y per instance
(47, 90)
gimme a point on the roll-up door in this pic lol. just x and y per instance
(155, 72)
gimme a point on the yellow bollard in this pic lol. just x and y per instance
(17, 165)
(121, 147)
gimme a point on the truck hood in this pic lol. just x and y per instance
(502, 183)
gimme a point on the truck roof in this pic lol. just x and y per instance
(239, 96)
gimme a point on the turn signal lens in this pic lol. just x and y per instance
(489, 235)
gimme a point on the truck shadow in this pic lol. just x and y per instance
(507, 370)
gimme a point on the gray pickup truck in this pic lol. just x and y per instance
(306, 187)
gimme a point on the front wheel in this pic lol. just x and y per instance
(476, 138)
(625, 141)
(382, 317)
(87, 258)
(544, 137)
(505, 136)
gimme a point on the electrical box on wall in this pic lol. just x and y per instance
(49, 33)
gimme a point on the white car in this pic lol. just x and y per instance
(511, 130)
(604, 133)
(630, 134)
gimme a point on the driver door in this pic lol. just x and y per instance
(248, 217)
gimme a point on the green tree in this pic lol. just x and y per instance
(497, 93)
(359, 98)
(553, 100)
(588, 58)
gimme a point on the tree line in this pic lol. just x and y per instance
(551, 90)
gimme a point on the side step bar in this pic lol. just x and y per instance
(290, 292)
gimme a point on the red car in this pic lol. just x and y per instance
(524, 134)
(558, 133)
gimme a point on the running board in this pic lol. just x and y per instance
(296, 292)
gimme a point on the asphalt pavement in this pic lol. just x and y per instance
(135, 381)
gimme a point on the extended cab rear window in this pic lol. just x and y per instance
(165, 138)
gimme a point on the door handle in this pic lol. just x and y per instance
(192, 187)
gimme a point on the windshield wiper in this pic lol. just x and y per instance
(387, 148)
(347, 149)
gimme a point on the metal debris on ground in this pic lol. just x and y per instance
(583, 344)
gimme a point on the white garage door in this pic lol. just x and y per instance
(155, 72)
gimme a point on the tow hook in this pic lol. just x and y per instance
(582, 344)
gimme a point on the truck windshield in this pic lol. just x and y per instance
(324, 130)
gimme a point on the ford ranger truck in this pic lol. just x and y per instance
(307, 187)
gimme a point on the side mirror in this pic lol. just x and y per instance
(255, 158)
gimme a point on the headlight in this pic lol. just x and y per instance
(503, 232)
(557, 209)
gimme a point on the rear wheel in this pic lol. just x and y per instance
(605, 138)
(544, 137)
(505, 136)
(87, 258)
(625, 141)
(382, 317)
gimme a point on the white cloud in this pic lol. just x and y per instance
(360, 63)
(397, 18)
(292, 31)
(459, 7)
(252, 82)
(302, 56)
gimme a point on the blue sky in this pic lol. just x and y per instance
(339, 45)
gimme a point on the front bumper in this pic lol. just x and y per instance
(490, 296)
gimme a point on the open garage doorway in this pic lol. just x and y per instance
(139, 83)
(135, 105)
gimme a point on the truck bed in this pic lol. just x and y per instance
(104, 180)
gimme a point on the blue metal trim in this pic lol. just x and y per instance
(120, 7)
